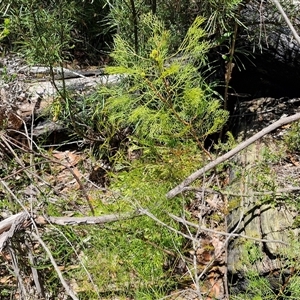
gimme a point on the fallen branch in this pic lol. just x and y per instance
(283, 121)
(9, 226)
(22, 220)
(87, 220)
(7, 223)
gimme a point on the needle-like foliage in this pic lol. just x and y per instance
(163, 97)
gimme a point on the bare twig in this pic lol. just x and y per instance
(283, 121)
(62, 280)
(17, 223)
(238, 235)
(22, 217)
(56, 161)
(22, 220)
(35, 274)
(7, 223)
(88, 220)
(17, 272)
(287, 20)
(150, 215)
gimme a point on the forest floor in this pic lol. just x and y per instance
(164, 250)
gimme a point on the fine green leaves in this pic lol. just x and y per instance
(163, 95)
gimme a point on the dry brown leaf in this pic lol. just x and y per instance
(68, 158)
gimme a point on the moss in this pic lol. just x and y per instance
(130, 254)
(217, 217)
(234, 203)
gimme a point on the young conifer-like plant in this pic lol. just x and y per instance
(162, 96)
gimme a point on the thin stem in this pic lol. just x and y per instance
(182, 121)
(230, 65)
(287, 20)
(68, 289)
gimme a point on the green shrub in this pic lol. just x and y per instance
(42, 31)
(65, 27)
(162, 96)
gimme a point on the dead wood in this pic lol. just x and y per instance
(87, 220)
(283, 121)
(22, 220)
(7, 223)
(9, 226)
(67, 287)
(287, 20)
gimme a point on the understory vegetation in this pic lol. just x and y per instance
(161, 113)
